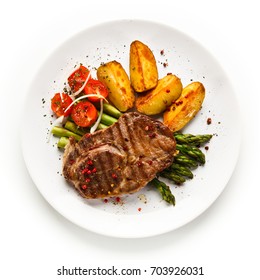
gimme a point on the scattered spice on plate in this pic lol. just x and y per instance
(209, 121)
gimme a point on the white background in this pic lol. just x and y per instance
(36, 240)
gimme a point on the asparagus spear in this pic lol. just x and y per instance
(177, 179)
(111, 110)
(70, 129)
(107, 120)
(74, 128)
(60, 131)
(191, 151)
(192, 139)
(181, 170)
(164, 190)
(185, 161)
(101, 126)
(63, 141)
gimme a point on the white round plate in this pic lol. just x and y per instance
(142, 214)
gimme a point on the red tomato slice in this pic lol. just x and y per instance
(84, 114)
(59, 103)
(78, 78)
(95, 87)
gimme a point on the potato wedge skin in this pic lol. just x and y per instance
(185, 108)
(114, 77)
(155, 101)
(143, 68)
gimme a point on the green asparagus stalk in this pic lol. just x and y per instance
(60, 131)
(111, 110)
(185, 161)
(164, 190)
(192, 152)
(71, 129)
(181, 170)
(63, 141)
(107, 120)
(177, 179)
(191, 139)
(74, 128)
(101, 126)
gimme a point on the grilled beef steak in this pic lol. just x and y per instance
(120, 159)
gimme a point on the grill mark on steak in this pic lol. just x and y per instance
(105, 158)
(121, 155)
(136, 145)
(124, 128)
(100, 166)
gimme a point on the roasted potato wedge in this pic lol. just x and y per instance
(121, 93)
(185, 108)
(143, 68)
(155, 101)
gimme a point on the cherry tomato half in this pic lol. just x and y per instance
(59, 103)
(84, 114)
(77, 78)
(95, 87)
